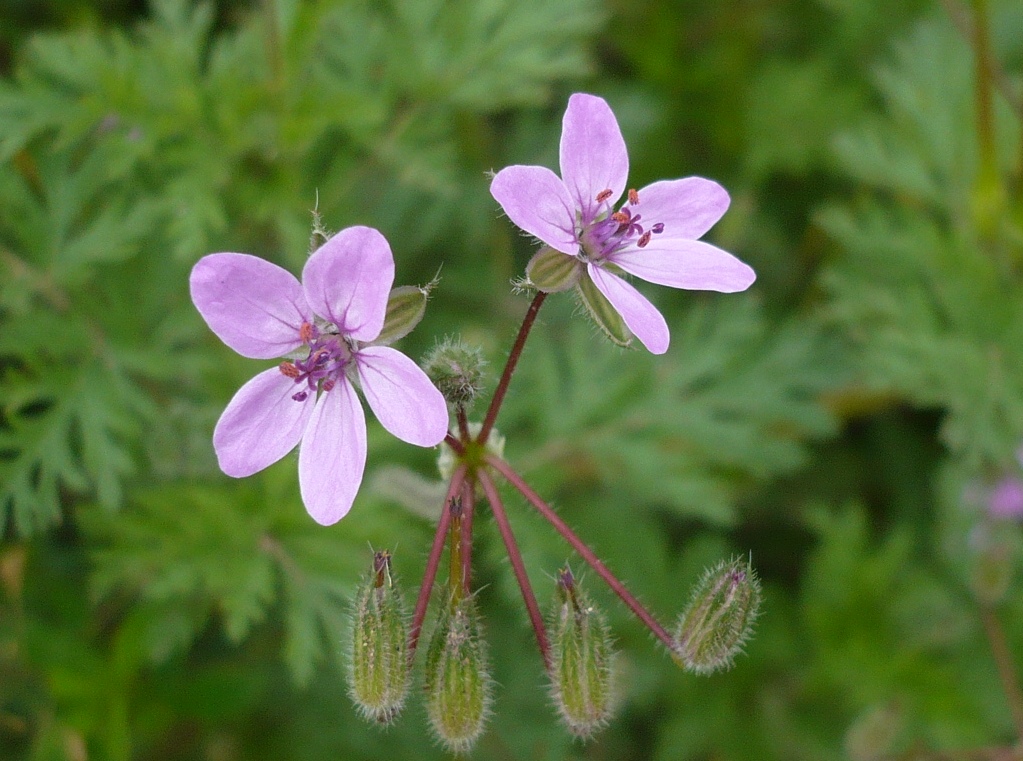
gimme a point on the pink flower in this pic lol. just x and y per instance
(326, 326)
(1005, 500)
(652, 236)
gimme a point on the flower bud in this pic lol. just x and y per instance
(406, 306)
(603, 313)
(581, 655)
(456, 369)
(378, 672)
(457, 678)
(552, 271)
(719, 618)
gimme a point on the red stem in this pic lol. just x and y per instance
(517, 565)
(455, 444)
(432, 563)
(509, 367)
(584, 552)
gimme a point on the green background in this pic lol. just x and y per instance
(842, 421)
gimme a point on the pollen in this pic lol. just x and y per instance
(289, 369)
(633, 196)
(604, 195)
(643, 239)
(306, 332)
(621, 217)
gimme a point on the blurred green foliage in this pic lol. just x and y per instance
(841, 420)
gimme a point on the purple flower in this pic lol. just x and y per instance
(652, 236)
(325, 326)
(1005, 500)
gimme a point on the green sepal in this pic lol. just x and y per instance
(719, 618)
(378, 667)
(552, 271)
(581, 660)
(457, 677)
(406, 306)
(603, 313)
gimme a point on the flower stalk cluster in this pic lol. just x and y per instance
(333, 333)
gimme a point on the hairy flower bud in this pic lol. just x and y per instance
(603, 313)
(551, 271)
(457, 679)
(457, 370)
(719, 618)
(378, 671)
(581, 655)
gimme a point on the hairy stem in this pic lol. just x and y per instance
(517, 565)
(584, 552)
(463, 424)
(457, 446)
(433, 561)
(509, 367)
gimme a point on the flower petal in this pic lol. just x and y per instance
(642, 317)
(401, 396)
(347, 280)
(332, 457)
(593, 153)
(261, 424)
(254, 306)
(536, 199)
(690, 264)
(688, 207)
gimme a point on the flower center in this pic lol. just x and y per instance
(329, 355)
(610, 231)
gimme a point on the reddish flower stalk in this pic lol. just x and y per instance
(456, 445)
(433, 562)
(517, 565)
(463, 423)
(584, 552)
(509, 367)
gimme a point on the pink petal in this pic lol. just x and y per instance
(347, 280)
(536, 200)
(332, 457)
(261, 424)
(688, 208)
(641, 317)
(593, 153)
(253, 306)
(401, 396)
(690, 264)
